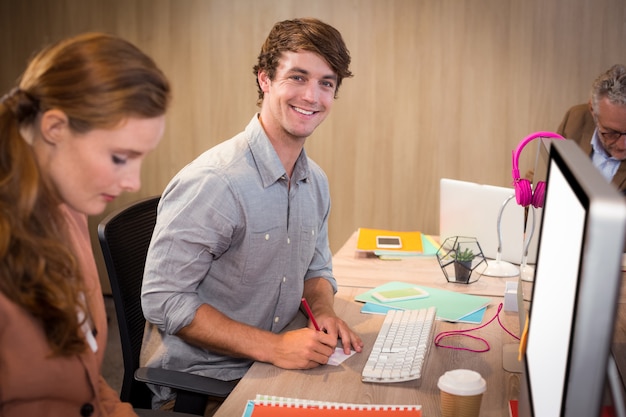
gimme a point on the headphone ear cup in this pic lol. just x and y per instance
(523, 192)
(538, 194)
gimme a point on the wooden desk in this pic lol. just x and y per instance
(360, 270)
(357, 270)
(356, 274)
(343, 383)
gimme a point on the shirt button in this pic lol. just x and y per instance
(86, 410)
(313, 232)
(276, 319)
(267, 236)
(284, 279)
(288, 241)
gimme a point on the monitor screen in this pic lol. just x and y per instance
(575, 291)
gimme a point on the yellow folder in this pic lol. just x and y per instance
(411, 241)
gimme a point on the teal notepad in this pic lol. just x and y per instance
(451, 305)
(249, 409)
(429, 245)
(371, 308)
(474, 318)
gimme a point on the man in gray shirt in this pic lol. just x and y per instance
(242, 231)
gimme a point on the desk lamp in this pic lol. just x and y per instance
(500, 268)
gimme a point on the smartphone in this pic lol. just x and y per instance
(388, 242)
(400, 294)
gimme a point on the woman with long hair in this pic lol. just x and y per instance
(73, 134)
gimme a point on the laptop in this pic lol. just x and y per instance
(471, 209)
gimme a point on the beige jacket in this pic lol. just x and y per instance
(579, 126)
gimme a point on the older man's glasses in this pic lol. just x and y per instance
(610, 135)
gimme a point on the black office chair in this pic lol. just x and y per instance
(124, 237)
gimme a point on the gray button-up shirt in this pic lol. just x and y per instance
(231, 233)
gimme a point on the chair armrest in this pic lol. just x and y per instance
(185, 381)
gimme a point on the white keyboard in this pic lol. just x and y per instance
(401, 346)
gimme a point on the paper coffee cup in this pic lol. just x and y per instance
(461, 393)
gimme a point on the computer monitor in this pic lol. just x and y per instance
(615, 383)
(575, 291)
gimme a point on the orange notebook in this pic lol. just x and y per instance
(411, 241)
(264, 406)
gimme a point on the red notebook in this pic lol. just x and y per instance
(264, 406)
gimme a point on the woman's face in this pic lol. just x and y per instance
(91, 169)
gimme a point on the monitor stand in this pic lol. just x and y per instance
(510, 362)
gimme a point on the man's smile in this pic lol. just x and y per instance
(302, 111)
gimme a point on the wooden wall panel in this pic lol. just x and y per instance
(442, 88)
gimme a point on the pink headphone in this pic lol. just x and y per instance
(523, 189)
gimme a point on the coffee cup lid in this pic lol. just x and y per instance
(462, 382)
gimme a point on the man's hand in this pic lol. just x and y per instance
(302, 349)
(338, 329)
(319, 294)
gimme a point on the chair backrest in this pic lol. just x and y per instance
(124, 236)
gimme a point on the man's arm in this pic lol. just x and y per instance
(298, 349)
(320, 296)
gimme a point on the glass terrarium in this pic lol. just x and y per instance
(459, 257)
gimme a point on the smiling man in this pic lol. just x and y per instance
(242, 232)
(599, 127)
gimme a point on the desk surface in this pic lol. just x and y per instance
(342, 383)
(354, 269)
(358, 270)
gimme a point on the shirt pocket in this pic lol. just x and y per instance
(308, 241)
(265, 257)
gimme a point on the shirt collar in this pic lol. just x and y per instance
(267, 161)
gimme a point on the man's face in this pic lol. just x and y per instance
(300, 96)
(611, 120)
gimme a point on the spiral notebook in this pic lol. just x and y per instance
(270, 406)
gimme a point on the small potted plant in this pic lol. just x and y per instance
(458, 257)
(462, 263)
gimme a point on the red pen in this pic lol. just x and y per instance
(310, 313)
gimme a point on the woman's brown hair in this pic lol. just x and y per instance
(97, 80)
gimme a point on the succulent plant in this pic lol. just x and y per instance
(463, 255)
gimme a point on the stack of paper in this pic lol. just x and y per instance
(451, 305)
